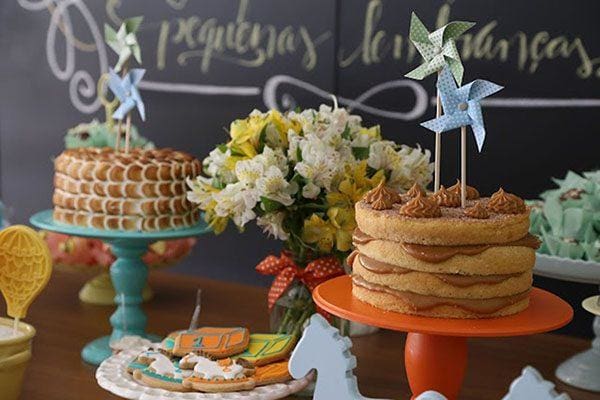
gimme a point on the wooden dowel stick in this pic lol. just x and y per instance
(118, 140)
(127, 133)
(438, 146)
(15, 326)
(463, 166)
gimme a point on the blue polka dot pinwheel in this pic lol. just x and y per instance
(462, 108)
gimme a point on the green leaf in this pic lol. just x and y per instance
(270, 205)
(262, 138)
(346, 134)
(298, 154)
(222, 148)
(360, 153)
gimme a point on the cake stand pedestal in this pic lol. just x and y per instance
(583, 369)
(128, 274)
(436, 348)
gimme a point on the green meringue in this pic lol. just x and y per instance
(96, 134)
(567, 220)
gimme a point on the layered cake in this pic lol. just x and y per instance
(423, 254)
(142, 190)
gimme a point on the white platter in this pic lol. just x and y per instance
(566, 269)
(112, 376)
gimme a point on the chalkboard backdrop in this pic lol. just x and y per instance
(211, 61)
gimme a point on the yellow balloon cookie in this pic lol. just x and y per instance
(25, 268)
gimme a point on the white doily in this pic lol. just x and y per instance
(112, 376)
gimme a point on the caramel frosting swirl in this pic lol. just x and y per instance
(447, 198)
(472, 193)
(421, 207)
(415, 190)
(506, 203)
(478, 211)
(382, 197)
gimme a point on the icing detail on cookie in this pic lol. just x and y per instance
(208, 369)
(267, 347)
(506, 203)
(446, 198)
(421, 207)
(382, 197)
(415, 190)
(472, 193)
(478, 211)
(217, 342)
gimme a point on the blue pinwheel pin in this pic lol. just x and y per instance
(462, 105)
(125, 89)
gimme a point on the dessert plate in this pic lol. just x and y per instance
(566, 269)
(112, 376)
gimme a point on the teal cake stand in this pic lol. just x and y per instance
(128, 274)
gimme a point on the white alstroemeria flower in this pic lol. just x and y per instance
(273, 157)
(319, 166)
(273, 186)
(199, 193)
(272, 224)
(214, 165)
(236, 201)
(310, 191)
(248, 171)
(382, 155)
(412, 165)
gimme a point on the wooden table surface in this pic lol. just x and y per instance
(64, 325)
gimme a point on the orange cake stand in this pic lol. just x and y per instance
(435, 353)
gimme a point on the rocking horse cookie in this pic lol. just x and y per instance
(225, 375)
(265, 348)
(163, 373)
(215, 342)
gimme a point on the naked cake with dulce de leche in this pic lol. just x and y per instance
(425, 255)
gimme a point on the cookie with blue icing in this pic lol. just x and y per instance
(163, 373)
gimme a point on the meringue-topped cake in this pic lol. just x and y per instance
(425, 255)
(141, 190)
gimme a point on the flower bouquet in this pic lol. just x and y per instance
(298, 175)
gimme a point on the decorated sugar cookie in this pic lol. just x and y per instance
(163, 373)
(272, 373)
(225, 375)
(143, 360)
(215, 342)
(265, 348)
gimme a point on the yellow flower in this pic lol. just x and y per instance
(216, 223)
(354, 185)
(373, 132)
(246, 133)
(320, 232)
(342, 219)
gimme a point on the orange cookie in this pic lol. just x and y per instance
(215, 342)
(272, 373)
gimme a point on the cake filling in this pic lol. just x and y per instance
(419, 303)
(380, 267)
(438, 254)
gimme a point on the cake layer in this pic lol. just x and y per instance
(126, 223)
(505, 258)
(130, 190)
(104, 164)
(118, 206)
(453, 227)
(432, 306)
(439, 284)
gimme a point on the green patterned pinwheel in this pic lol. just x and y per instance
(438, 48)
(124, 41)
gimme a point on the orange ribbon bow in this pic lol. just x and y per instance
(286, 271)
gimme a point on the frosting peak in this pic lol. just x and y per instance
(478, 211)
(506, 203)
(415, 190)
(447, 198)
(421, 207)
(382, 197)
(472, 193)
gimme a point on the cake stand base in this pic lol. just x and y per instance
(583, 369)
(100, 291)
(99, 349)
(436, 348)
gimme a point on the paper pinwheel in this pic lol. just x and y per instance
(124, 41)
(461, 105)
(438, 48)
(125, 89)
